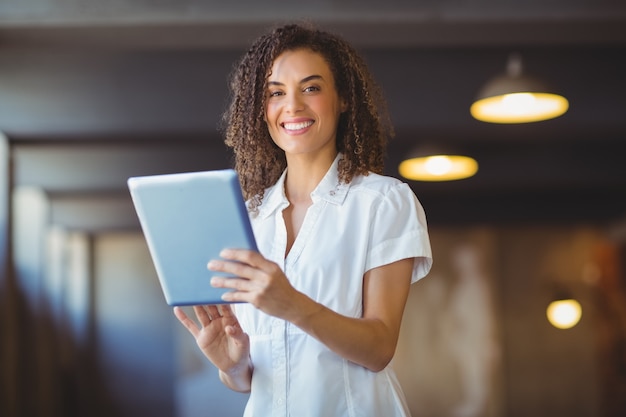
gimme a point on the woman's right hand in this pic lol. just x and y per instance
(221, 339)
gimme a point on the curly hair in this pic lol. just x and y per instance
(362, 132)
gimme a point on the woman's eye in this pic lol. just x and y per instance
(275, 93)
(311, 88)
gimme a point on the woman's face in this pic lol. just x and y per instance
(303, 106)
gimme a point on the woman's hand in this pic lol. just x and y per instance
(258, 281)
(222, 341)
(369, 341)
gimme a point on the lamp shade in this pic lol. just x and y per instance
(428, 164)
(517, 98)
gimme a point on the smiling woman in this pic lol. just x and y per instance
(319, 305)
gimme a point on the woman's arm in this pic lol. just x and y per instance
(369, 341)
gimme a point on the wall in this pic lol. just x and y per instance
(150, 364)
(549, 371)
(134, 328)
(449, 353)
(475, 339)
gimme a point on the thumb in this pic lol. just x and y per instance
(236, 332)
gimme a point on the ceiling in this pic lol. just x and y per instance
(93, 92)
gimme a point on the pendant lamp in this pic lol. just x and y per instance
(515, 97)
(433, 164)
(563, 311)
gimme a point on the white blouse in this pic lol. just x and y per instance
(349, 229)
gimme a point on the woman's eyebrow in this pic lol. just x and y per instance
(304, 80)
(310, 78)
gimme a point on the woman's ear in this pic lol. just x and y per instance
(343, 105)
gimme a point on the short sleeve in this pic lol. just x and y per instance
(399, 231)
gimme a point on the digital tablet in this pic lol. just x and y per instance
(187, 219)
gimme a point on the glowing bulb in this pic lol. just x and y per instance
(564, 314)
(518, 103)
(519, 107)
(438, 165)
(438, 168)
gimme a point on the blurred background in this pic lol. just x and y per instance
(94, 92)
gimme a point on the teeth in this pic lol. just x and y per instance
(297, 126)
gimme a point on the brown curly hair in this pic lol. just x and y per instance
(362, 130)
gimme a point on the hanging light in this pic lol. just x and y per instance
(517, 98)
(433, 165)
(564, 312)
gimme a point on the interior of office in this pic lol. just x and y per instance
(92, 93)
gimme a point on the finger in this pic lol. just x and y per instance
(186, 321)
(237, 296)
(237, 284)
(202, 315)
(244, 263)
(234, 268)
(235, 331)
(213, 312)
(226, 311)
(246, 256)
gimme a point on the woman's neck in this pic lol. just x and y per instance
(304, 173)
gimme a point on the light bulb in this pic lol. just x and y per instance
(519, 107)
(438, 165)
(518, 103)
(564, 314)
(438, 168)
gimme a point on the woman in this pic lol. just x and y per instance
(319, 307)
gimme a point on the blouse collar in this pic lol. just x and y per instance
(329, 189)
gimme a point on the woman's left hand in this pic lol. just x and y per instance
(257, 281)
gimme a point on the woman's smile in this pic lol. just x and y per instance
(297, 127)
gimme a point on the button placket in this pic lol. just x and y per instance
(280, 366)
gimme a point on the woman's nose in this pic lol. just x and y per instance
(294, 103)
